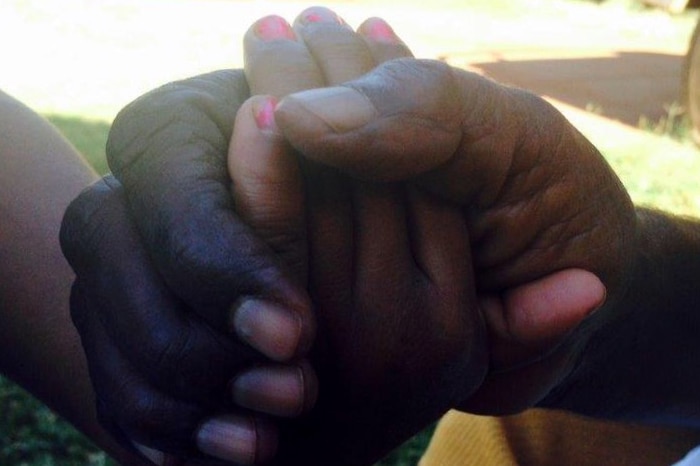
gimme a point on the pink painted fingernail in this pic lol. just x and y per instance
(264, 112)
(379, 30)
(317, 14)
(274, 27)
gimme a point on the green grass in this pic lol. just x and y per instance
(88, 136)
(32, 435)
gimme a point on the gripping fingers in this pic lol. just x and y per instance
(338, 51)
(133, 408)
(157, 333)
(382, 41)
(174, 349)
(398, 113)
(277, 62)
(267, 185)
(169, 151)
(320, 50)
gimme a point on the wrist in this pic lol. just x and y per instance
(639, 362)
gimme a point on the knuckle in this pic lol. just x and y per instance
(143, 124)
(82, 227)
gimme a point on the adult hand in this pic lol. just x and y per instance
(400, 336)
(182, 259)
(168, 277)
(550, 226)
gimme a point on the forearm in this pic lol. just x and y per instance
(642, 365)
(40, 173)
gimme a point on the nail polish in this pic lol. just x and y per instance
(319, 15)
(274, 27)
(379, 30)
(264, 112)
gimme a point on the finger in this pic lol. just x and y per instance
(439, 238)
(397, 113)
(168, 343)
(381, 237)
(528, 331)
(533, 318)
(130, 406)
(515, 150)
(283, 391)
(330, 226)
(267, 184)
(169, 150)
(552, 306)
(441, 250)
(277, 62)
(338, 51)
(382, 41)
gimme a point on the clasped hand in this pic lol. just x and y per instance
(403, 239)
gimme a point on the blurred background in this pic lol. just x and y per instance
(618, 69)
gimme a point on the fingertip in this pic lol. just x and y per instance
(272, 27)
(318, 14)
(377, 29)
(283, 391)
(342, 109)
(554, 305)
(276, 331)
(241, 440)
(263, 108)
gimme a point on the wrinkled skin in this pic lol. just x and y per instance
(513, 219)
(538, 198)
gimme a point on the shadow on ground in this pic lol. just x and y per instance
(624, 87)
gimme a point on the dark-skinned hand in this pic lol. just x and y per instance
(551, 227)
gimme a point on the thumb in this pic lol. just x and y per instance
(534, 317)
(397, 114)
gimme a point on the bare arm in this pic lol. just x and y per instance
(40, 173)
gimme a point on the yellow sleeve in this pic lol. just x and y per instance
(553, 438)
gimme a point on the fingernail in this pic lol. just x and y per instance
(277, 390)
(342, 108)
(268, 327)
(379, 30)
(274, 27)
(319, 14)
(230, 439)
(264, 113)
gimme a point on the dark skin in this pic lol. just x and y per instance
(414, 291)
(384, 274)
(267, 182)
(502, 147)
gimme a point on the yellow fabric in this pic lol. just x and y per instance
(552, 438)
